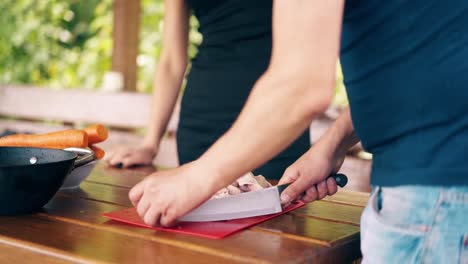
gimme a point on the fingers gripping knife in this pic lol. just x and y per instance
(262, 202)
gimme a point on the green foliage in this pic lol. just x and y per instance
(67, 44)
(150, 42)
(341, 98)
(55, 43)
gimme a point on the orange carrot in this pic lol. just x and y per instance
(58, 140)
(99, 152)
(96, 133)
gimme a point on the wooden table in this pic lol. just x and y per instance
(70, 229)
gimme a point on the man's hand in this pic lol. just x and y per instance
(310, 172)
(309, 175)
(164, 196)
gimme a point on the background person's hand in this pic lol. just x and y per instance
(164, 196)
(125, 157)
(308, 175)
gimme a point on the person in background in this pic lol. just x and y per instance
(235, 51)
(405, 67)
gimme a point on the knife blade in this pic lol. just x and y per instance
(249, 204)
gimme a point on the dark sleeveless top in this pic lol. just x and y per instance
(234, 53)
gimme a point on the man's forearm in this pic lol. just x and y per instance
(340, 136)
(276, 113)
(297, 86)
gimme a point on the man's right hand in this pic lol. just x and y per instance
(310, 172)
(125, 157)
(309, 175)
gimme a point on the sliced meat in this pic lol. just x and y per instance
(233, 190)
(247, 183)
(262, 181)
(221, 193)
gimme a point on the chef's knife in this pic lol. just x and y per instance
(262, 202)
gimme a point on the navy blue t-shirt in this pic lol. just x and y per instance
(405, 66)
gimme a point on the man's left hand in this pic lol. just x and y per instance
(164, 196)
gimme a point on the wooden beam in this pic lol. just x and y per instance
(125, 38)
(123, 109)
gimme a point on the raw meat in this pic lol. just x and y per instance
(246, 183)
(262, 181)
(233, 190)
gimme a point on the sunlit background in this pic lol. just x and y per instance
(68, 44)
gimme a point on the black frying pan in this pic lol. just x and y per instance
(29, 177)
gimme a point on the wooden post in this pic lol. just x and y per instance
(125, 38)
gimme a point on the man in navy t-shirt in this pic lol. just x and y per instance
(406, 71)
(405, 64)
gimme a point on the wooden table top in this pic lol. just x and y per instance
(71, 229)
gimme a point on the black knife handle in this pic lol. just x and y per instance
(340, 178)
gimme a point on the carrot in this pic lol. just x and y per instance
(58, 140)
(96, 133)
(99, 152)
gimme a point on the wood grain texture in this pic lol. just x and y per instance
(349, 198)
(101, 192)
(126, 30)
(331, 211)
(323, 232)
(108, 108)
(126, 178)
(93, 243)
(305, 224)
(72, 228)
(252, 244)
(11, 253)
(296, 226)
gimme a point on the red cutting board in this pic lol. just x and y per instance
(213, 230)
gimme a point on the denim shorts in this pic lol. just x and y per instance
(415, 224)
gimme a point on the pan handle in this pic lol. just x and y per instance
(85, 156)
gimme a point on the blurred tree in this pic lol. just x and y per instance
(55, 43)
(68, 44)
(341, 98)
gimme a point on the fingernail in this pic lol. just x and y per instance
(285, 198)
